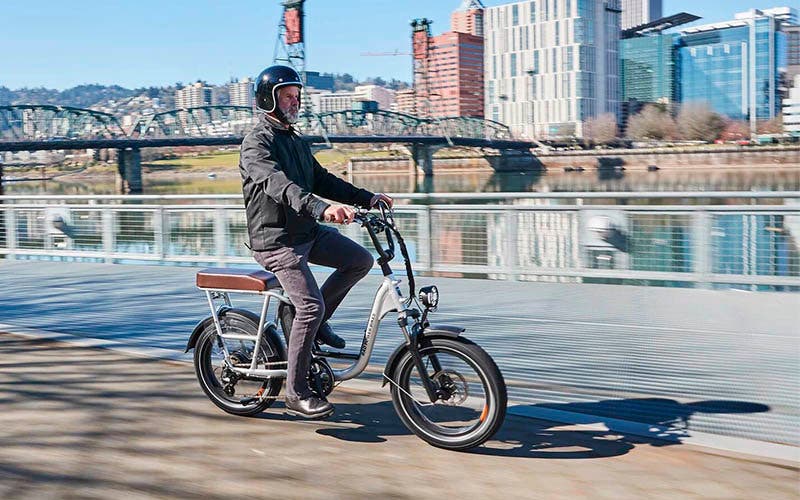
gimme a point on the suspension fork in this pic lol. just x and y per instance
(415, 339)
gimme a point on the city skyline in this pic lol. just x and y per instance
(161, 44)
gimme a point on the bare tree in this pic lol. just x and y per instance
(653, 122)
(697, 122)
(601, 129)
(772, 126)
(735, 130)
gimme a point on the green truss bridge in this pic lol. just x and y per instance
(47, 127)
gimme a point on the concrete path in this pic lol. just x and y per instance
(94, 423)
(676, 362)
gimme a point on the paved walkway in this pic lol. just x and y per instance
(94, 423)
(677, 362)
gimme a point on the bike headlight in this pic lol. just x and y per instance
(429, 296)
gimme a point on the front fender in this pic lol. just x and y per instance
(433, 331)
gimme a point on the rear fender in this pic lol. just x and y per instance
(272, 332)
(432, 332)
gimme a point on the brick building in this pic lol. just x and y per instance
(448, 68)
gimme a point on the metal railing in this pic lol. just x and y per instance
(691, 240)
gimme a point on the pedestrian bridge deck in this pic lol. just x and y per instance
(681, 360)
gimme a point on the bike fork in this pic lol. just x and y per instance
(434, 393)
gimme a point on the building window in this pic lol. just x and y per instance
(514, 14)
(533, 12)
(568, 9)
(513, 64)
(556, 25)
(569, 59)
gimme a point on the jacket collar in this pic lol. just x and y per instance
(277, 124)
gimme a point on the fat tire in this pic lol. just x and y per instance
(245, 322)
(494, 385)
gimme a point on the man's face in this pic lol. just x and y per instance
(289, 102)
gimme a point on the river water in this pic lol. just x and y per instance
(698, 179)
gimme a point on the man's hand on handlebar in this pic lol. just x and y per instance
(381, 197)
(340, 214)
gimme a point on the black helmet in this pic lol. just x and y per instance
(270, 80)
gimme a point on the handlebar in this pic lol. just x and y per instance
(374, 224)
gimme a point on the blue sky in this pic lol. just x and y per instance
(60, 44)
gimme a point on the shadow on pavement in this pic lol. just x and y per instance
(658, 422)
(665, 422)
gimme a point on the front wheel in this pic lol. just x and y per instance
(473, 404)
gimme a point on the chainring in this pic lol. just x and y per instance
(320, 377)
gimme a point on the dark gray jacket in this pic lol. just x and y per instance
(279, 175)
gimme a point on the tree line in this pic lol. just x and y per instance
(693, 122)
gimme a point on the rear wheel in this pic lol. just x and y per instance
(474, 399)
(223, 386)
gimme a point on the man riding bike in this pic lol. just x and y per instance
(280, 178)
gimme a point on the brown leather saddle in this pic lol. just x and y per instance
(221, 278)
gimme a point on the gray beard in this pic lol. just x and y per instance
(290, 116)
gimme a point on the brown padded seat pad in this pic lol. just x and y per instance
(237, 279)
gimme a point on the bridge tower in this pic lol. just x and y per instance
(421, 54)
(290, 47)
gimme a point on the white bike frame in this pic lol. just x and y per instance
(388, 298)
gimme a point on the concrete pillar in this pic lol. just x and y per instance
(422, 158)
(129, 166)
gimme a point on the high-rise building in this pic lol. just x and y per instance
(551, 65)
(468, 18)
(405, 102)
(331, 102)
(792, 51)
(638, 12)
(383, 96)
(448, 71)
(788, 16)
(241, 93)
(194, 95)
(791, 109)
(317, 81)
(735, 66)
(647, 68)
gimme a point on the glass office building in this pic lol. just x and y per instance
(734, 66)
(647, 68)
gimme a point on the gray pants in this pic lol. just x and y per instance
(313, 304)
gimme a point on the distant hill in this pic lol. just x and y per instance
(82, 96)
(98, 96)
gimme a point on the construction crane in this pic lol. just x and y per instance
(395, 53)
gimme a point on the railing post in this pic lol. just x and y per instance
(159, 235)
(11, 232)
(702, 254)
(512, 252)
(424, 246)
(220, 236)
(108, 234)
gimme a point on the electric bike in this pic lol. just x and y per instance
(446, 389)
